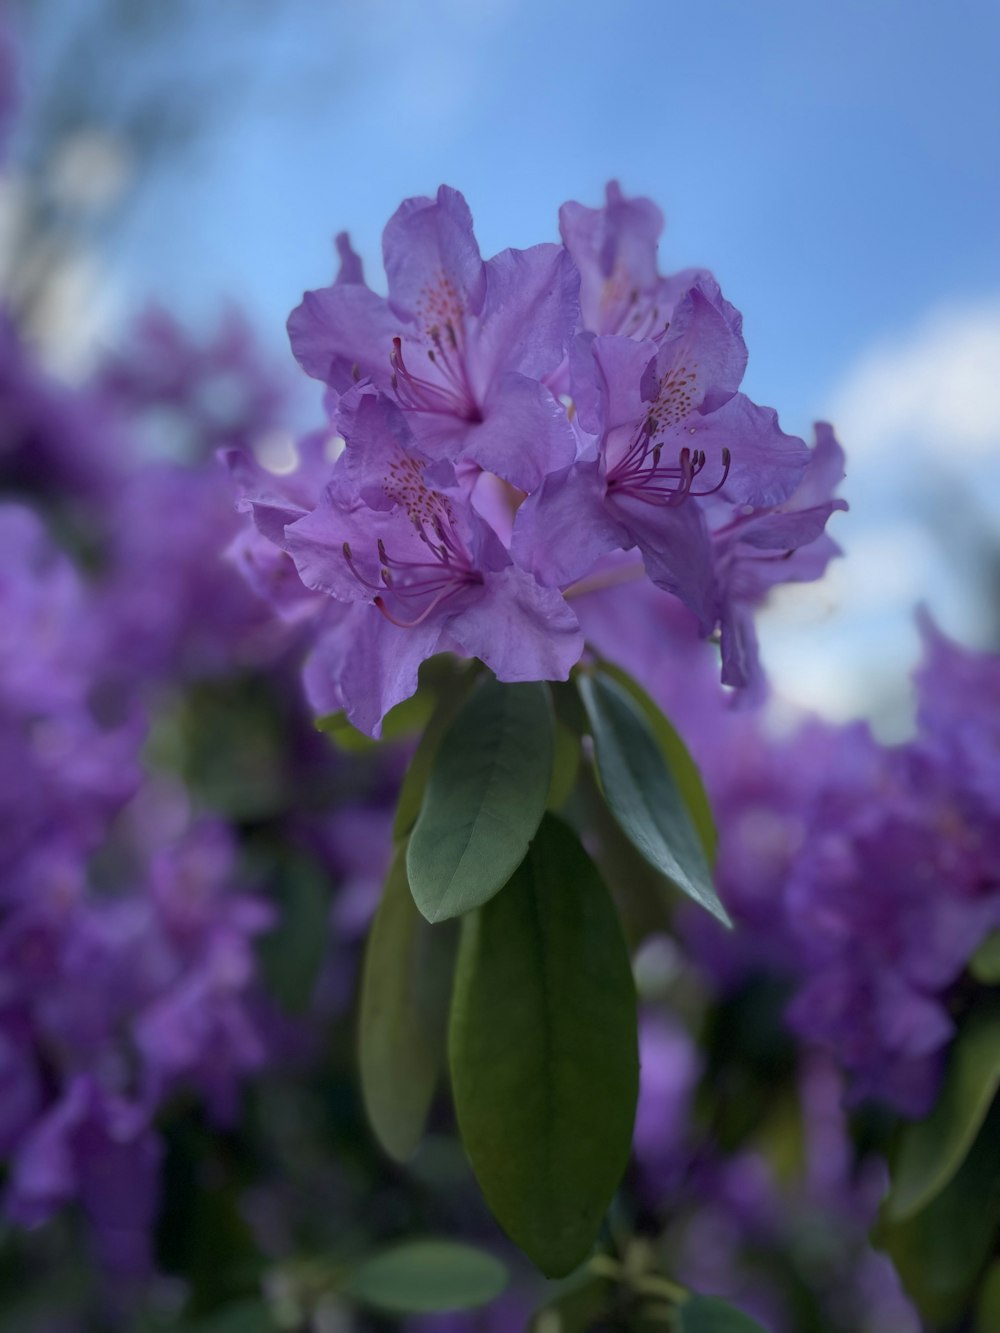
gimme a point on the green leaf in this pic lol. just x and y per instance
(250, 1316)
(642, 794)
(941, 1251)
(985, 963)
(988, 1301)
(678, 757)
(543, 1048)
(706, 1314)
(404, 1012)
(929, 1152)
(577, 1309)
(292, 953)
(565, 766)
(411, 793)
(424, 1276)
(485, 798)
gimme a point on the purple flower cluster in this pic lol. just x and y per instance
(184, 397)
(55, 442)
(126, 951)
(734, 1226)
(508, 430)
(867, 874)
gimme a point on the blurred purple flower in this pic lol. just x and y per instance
(183, 397)
(55, 441)
(126, 953)
(175, 607)
(615, 250)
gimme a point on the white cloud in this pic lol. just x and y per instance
(920, 421)
(937, 388)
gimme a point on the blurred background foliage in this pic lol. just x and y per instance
(192, 155)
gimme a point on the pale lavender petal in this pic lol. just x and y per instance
(379, 664)
(529, 314)
(273, 500)
(623, 374)
(825, 471)
(615, 250)
(766, 464)
(344, 333)
(351, 268)
(562, 530)
(521, 630)
(432, 260)
(677, 551)
(740, 658)
(702, 346)
(524, 435)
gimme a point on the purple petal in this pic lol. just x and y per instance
(562, 530)
(787, 530)
(740, 659)
(524, 435)
(432, 260)
(343, 333)
(274, 500)
(351, 269)
(377, 667)
(825, 471)
(703, 342)
(379, 441)
(521, 630)
(766, 464)
(615, 250)
(677, 551)
(316, 544)
(530, 312)
(613, 389)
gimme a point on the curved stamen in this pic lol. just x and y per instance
(453, 396)
(641, 474)
(418, 620)
(410, 581)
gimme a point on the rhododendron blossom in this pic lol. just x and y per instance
(472, 504)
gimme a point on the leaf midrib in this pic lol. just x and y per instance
(497, 762)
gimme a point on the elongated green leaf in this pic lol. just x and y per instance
(404, 1012)
(565, 766)
(941, 1251)
(985, 962)
(411, 793)
(988, 1301)
(641, 792)
(706, 1314)
(678, 757)
(423, 1276)
(929, 1152)
(543, 1050)
(484, 800)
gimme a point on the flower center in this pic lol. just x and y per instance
(408, 590)
(446, 387)
(641, 471)
(627, 310)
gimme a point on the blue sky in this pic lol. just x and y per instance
(836, 164)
